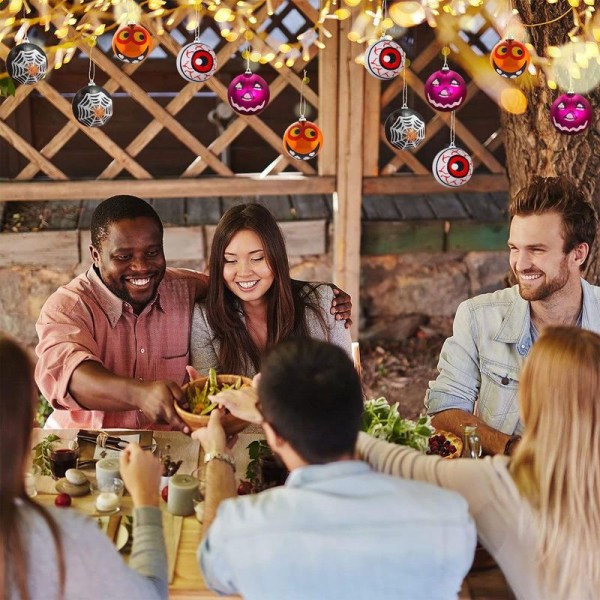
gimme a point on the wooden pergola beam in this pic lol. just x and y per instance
(205, 187)
(426, 184)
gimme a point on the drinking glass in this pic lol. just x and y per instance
(471, 442)
(31, 478)
(63, 456)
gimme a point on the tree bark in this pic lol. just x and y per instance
(533, 145)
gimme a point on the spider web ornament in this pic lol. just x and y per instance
(27, 63)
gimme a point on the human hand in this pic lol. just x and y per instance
(140, 471)
(155, 399)
(240, 403)
(213, 437)
(341, 306)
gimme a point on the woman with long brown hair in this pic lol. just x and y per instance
(537, 513)
(56, 554)
(252, 302)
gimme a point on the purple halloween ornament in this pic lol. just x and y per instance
(445, 90)
(452, 167)
(248, 94)
(571, 113)
(384, 59)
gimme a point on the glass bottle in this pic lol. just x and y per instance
(471, 442)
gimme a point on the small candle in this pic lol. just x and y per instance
(106, 471)
(183, 490)
(107, 501)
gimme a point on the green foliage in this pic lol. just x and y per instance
(41, 454)
(256, 450)
(43, 411)
(7, 86)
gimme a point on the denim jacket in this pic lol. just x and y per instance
(479, 365)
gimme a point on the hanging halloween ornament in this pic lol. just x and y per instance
(92, 105)
(196, 61)
(510, 58)
(404, 127)
(452, 166)
(384, 59)
(27, 63)
(303, 140)
(248, 93)
(131, 43)
(571, 113)
(445, 90)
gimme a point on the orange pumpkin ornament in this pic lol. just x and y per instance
(510, 58)
(132, 43)
(303, 140)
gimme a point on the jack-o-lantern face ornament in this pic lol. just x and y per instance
(510, 58)
(248, 94)
(571, 113)
(445, 90)
(303, 140)
(384, 59)
(132, 43)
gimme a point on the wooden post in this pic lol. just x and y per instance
(348, 197)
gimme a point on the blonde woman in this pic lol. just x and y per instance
(537, 513)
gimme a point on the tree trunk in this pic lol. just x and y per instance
(533, 145)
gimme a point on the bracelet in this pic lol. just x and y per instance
(219, 456)
(512, 440)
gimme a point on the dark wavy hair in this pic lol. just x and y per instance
(310, 394)
(562, 196)
(287, 300)
(118, 208)
(17, 407)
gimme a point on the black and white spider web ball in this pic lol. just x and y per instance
(452, 167)
(196, 62)
(405, 128)
(27, 63)
(92, 106)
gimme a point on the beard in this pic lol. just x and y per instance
(549, 286)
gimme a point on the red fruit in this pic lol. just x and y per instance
(62, 500)
(244, 488)
(165, 493)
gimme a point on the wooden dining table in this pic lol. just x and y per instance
(182, 534)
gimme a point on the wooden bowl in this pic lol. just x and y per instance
(231, 424)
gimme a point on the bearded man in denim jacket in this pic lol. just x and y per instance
(552, 230)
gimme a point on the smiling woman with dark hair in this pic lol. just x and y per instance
(56, 553)
(252, 303)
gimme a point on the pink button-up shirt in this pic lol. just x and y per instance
(84, 320)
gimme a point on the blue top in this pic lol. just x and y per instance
(482, 360)
(343, 531)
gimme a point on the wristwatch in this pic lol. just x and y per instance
(512, 440)
(219, 456)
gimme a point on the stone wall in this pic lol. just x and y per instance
(399, 293)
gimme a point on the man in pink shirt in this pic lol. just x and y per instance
(114, 342)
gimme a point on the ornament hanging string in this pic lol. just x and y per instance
(452, 129)
(404, 87)
(92, 66)
(197, 30)
(302, 98)
(248, 69)
(383, 27)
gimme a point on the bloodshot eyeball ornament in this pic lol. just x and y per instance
(571, 113)
(445, 90)
(92, 105)
(384, 59)
(26, 63)
(405, 128)
(248, 94)
(452, 167)
(196, 62)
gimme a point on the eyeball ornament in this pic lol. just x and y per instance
(132, 43)
(452, 167)
(248, 94)
(445, 90)
(27, 63)
(196, 62)
(92, 105)
(405, 128)
(510, 58)
(384, 59)
(303, 140)
(571, 113)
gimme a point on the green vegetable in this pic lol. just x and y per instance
(198, 397)
(383, 421)
(256, 450)
(41, 453)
